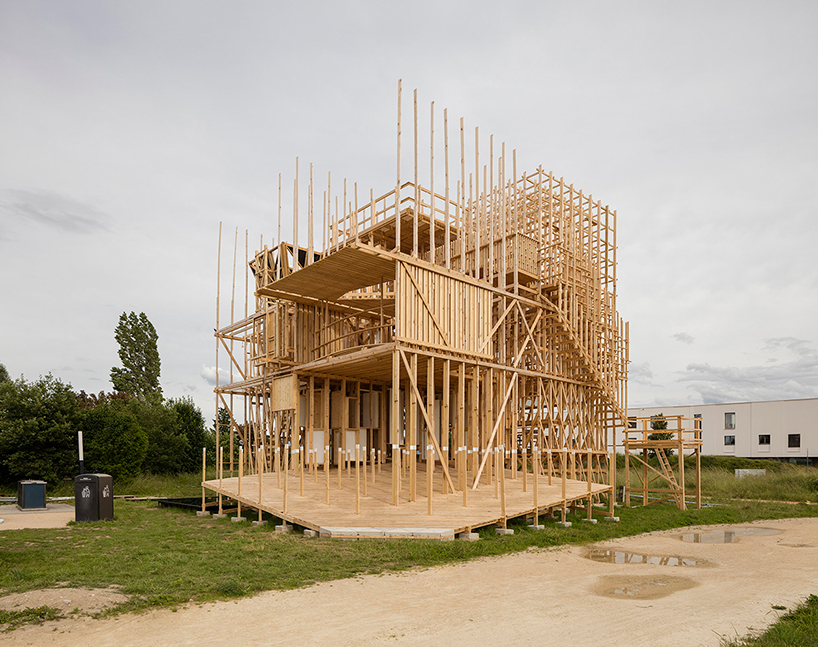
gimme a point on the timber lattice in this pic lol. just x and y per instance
(467, 338)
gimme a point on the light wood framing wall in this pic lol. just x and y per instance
(473, 330)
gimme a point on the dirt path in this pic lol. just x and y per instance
(539, 597)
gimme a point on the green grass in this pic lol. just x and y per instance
(164, 557)
(798, 627)
(12, 619)
(783, 483)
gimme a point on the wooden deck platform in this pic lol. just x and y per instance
(378, 517)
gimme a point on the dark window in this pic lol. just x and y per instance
(794, 440)
(697, 421)
(632, 422)
(764, 439)
(729, 420)
(729, 440)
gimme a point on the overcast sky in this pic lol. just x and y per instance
(128, 131)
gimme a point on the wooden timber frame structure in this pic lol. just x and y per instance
(662, 481)
(441, 361)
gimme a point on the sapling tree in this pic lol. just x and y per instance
(658, 423)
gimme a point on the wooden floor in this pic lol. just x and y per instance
(378, 517)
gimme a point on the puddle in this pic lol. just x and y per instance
(641, 587)
(622, 557)
(725, 536)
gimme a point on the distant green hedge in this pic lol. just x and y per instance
(729, 463)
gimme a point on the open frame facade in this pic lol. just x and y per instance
(443, 359)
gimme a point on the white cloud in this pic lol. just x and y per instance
(683, 337)
(796, 378)
(52, 210)
(640, 372)
(208, 374)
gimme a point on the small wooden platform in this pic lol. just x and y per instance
(378, 517)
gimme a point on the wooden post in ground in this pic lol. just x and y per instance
(535, 459)
(525, 469)
(431, 422)
(412, 420)
(549, 456)
(444, 414)
(326, 471)
(627, 470)
(327, 433)
(363, 465)
(590, 485)
(357, 478)
(286, 471)
(502, 478)
(430, 470)
(241, 473)
(681, 462)
(612, 481)
(564, 466)
(260, 469)
(698, 474)
(204, 475)
(221, 476)
(301, 467)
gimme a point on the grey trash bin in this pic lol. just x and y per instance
(31, 495)
(93, 497)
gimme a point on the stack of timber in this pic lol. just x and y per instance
(438, 361)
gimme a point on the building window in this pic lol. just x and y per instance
(793, 440)
(697, 421)
(729, 420)
(764, 439)
(632, 422)
(729, 440)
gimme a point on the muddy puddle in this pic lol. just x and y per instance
(726, 536)
(641, 587)
(623, 557)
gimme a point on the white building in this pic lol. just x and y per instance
(781, 429)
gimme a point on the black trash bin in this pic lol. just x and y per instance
(31, 495)
(93, 497)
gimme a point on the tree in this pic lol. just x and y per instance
(115, 444)
(139, 374)
(659, 423)
(4, 374)
(38, 430)
(167, 443)
(191, 423)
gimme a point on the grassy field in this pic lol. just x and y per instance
(783, 482)
(164, 557)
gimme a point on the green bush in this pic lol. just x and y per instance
(191, 423)
(38, 430)
(115, 444)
